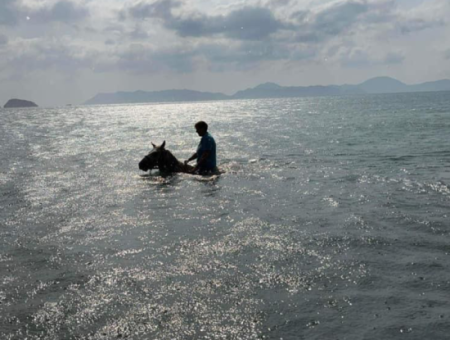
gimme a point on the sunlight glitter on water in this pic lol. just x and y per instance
(315, 225)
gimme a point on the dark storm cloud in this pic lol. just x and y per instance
(247, 23)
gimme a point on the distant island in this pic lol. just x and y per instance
(271, 90)
(15, 103)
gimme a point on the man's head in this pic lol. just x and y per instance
(201, 128)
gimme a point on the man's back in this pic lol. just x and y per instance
(207, 143)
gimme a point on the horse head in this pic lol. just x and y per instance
(151, 161)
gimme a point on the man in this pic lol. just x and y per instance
(206, 151)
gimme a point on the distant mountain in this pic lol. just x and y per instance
(13, 103)
(271, 90)
(269, 86)
(390, 85)
(371, 86)
(440, 85)
(158, 96)
(383, 85)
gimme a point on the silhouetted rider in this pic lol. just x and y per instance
(206, 151)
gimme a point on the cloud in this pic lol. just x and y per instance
(392, 58)
(243, 55)
(278, 3)
(418, 24)
(27, 56)
(261, 22)
(339, 17)
(176, 37)
(23, 57)
(351, 56)
(251, 23)
(13, 12)
(8, 13)
(241, 39)
(430, 14)
(141, 59)
(355, 58)
(62, 11)
(447, 54)
(216, 57)
(3, 40)
(159, 9)
(247, 23)
(138, 33)
(114, 28)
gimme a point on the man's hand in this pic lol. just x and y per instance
(194, 156)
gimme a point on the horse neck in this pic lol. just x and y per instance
(170, 156)
(168, 161)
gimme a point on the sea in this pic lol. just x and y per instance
(330, 220)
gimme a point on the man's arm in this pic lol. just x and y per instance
(194, 156)
(205, 155)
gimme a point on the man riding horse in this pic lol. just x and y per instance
(166, 162)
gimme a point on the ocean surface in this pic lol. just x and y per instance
(331, 220)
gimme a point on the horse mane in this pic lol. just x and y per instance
(168, 162)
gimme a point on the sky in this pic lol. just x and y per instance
(58, 52)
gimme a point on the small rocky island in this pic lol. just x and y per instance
(13, 103)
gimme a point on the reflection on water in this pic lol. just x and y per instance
(329, 213)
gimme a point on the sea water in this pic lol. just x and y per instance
(331, 220)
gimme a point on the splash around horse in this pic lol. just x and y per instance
(164, 160)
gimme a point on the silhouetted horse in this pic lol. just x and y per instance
(164, 160)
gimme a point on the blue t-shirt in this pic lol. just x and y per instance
(207, 143)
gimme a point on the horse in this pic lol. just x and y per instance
(163, 160)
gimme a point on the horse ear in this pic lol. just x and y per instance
(154, 146)
(163, 145)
